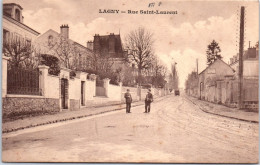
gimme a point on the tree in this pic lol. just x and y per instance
(66, 51)
(102, 65)
(213, 52)
(140, 45)
(52, 62)
(158, 73)
(20, 52)
(174, 78)
(257, 44)
(128, 76)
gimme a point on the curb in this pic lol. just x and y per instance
(61, 120)
(203, 109)
(72, 118)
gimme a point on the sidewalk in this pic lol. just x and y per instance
(224, 111)
(29, 122)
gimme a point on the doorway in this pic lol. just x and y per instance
(201, 88)
(64, 93)
(82, 93)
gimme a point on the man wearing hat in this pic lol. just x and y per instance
(128, 101)
(148, 100)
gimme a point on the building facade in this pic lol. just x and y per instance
(71, 54)
(208, 78)
(13, 26)
(250, 76)
(108, 45)
(250, 62)
(192, 84)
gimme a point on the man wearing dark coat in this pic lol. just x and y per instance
(128, 101)
(148, 100)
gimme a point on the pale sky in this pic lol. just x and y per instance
(181, 38)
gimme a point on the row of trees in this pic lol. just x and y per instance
(144, 66)
(140, 46)
(173, 78)
(21, 52)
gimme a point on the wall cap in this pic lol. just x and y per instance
(24, 96)
(5, 58)
(43, 67)
(65, 69)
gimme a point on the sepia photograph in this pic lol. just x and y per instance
(128, 81)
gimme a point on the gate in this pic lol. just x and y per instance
(234, 92)
(64, 93)
(23, 82)
(250, 87)
(100, 89)
(82, 93)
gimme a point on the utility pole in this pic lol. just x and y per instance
(197, 62)
(241, 52)
(198, 83)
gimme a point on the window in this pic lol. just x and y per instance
(6, 35)
(17, 15)
(28, 42)
(50, 40)
(18, 37)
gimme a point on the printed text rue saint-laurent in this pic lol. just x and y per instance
(114, 11)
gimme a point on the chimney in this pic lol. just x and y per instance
(90, 45)
(112, 44)
(96, 44)
(64, 31)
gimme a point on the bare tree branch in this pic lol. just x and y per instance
(140, 43)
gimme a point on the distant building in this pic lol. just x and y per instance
(192, 84)
(250, 76)
(111, 47)
(250, 62)
(108, 45)
(218, 70)
(13, 26)
(51, 41)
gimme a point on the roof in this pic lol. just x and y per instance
(78, 44)
(12, 4)
(5, 16)
(82, 46)
(104, 43)
(214, 62)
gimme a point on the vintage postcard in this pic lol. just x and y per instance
(128, 81)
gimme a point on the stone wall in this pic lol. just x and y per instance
(74, 88)
(133, 92)
(74, 104)
(90, 89)
(143, 93)
(22, 106)
(13, 28)
(114, 92)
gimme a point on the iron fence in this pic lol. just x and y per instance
(23, 82)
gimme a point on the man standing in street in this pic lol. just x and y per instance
(148, 100)
(128, 101)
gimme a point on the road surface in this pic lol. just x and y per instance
(175, 131)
